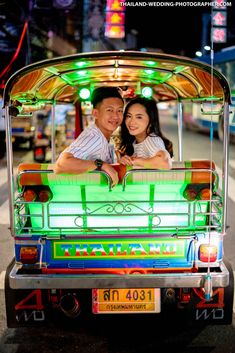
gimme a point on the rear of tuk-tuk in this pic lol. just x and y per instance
(152, 244)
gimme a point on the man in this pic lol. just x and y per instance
(92, 150)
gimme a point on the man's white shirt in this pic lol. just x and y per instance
(91, 144)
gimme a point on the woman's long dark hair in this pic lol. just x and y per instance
(153, 127)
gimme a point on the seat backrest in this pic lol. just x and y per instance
(195, 172)
(36, 174)
(191, 179)
(144, 199)
(197, 175)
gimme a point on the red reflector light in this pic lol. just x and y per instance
(205, 194)
(190, 193)
(186, 297)
(208, 253)
(30, 195)
(45, 195)
(29, 254)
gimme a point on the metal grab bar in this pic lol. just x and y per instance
(155, 217)
(181, 170)
(50, 171)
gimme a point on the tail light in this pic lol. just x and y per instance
(39, 151)
(36, 194)
(190, 193)
(205, 194)
(45, 195)
(207, 253)
(30, 195)
(29, 254)
(39, 154)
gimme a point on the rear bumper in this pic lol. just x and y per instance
(83, 281)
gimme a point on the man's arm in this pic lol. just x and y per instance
(67, 163)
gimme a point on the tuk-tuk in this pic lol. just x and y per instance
(148, 245)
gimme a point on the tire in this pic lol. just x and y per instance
(229, 295)
(10, 298)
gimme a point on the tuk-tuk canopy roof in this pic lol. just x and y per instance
(171, 77)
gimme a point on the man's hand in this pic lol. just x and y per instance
(111, 172)
(67, 163)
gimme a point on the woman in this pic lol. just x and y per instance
(142, 142)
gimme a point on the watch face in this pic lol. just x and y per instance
(98, 163)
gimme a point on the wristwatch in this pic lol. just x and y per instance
(98, 163)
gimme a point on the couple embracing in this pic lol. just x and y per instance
(142, 144)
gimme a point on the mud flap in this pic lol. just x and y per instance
(25, 307)
(41, 307)
(219, 310)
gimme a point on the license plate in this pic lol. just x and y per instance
(126, 300)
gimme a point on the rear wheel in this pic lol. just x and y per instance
(229, 295)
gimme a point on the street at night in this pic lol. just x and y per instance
(117, 176)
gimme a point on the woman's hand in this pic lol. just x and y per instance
(126, 160)
(161, 160)
(138, 162)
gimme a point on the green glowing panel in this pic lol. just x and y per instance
(89, 208)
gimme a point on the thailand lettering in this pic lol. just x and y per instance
(132, 249)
